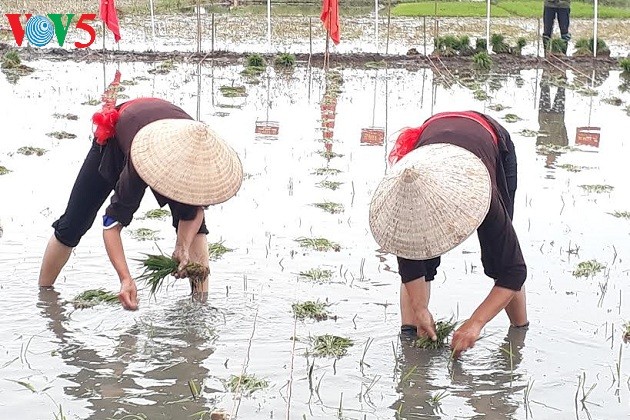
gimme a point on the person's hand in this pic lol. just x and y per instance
(128, 295)
(466, 336)
(425, 323)
(183, 258)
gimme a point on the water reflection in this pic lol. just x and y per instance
(150, 366)
(552, 132)
(489, 391)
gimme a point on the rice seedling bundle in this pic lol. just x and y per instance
(443, 330)
(158, 267)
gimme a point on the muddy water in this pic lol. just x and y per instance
(107, 363)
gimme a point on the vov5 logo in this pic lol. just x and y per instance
(40, 29)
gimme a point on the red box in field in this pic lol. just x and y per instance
(373, 136)
(587, 136)
(267, 128)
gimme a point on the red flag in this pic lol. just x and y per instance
(109, 16)
(330, 18)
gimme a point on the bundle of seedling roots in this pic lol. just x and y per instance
(159, 267)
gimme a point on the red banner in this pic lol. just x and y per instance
(330, 18)
(110, 17)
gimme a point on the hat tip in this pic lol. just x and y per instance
(409, 175)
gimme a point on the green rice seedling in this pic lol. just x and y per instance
(558, 46)
(311, 310)
(10, 60)
(443, 330)
(330, 346)
(436, 400)
(159, 214)
(164, 68)
(330, 207)
(65, 116)
(29, 150)
(626, 332)
(61, 135)
(91, 102)
(326, 171)
(216, 250)
(511, 118)
(158, 267)
(331, 185)
(318, 244)
(621, 214)
(93, 297)
(144, 234)
(233, 91)
(497, 41)
(128, 82)
(464, 43)
(588, 268)
(625, 65)
(597, 188)
(317, 274)
(528, 133)
(482, 60)
(498, 107)
(285, 60)
(571, 168)
(255, 60)
(628, 110)
(613, 100)
(329, 154)
(247, 384)
(4, 170)
(481, 95)
(520, 44)
(481, 45)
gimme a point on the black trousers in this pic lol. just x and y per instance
(88, 195)
(549, 16)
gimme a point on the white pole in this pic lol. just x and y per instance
(269, 24)
(376, 24)
(595, 7)
(152, 23)
(488, 27)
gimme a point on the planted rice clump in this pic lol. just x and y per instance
(482, 60)
(588, 268)
(318, 244)
(511, 118)
(317, 274)
(330, 207)
(28, 151)
(622, 214)
(247, 384)
(326, 171)
(158, 267)
(625, 65)
(285, 60)
(597, 188)
(60, 135)
(66, 116)
(93, 297)
(217, 249)
(330, 346)
(331, 185)
(255, 60)
(328, 154)
(144, 234)
(443, 330)
(159, 214)
(613, 100)
(571, 168)
(4, 170)
(163, 68)
(311, 310)
(233, 91)
(528, 133)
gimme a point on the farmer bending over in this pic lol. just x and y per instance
(456, 174)
(146, 142)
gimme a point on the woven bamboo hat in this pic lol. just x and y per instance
(434, 198)
(186, 161)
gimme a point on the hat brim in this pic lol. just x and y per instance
(184, 160)
(431, 201)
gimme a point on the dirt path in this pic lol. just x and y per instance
(503, 63)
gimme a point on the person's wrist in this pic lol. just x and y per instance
(126, 280)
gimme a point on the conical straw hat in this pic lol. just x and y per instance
(434, 198)
(186, 161)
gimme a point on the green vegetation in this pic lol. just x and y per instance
(331, 185)
(482, 60)
(330, 346)
(4, 170)
(584, 46)
(286, 60)
(216, 250)
(60, 135)
(93, 297)
(330, 207)
(621, 214)
(443, 330)
(572, 168)
(164, 68)
(91, 102)
(625, 65)
(247, 384)
(511, 118)
(516, 8)
(528, 133)
(66, 116)
(311, 310)
(255, 60)
(159, 214)
(144, 234)
(597, 188)
(613, 100)
(317, 274)
(233, 91)
(626, 332)
(10, 60)
(318, 244)
(158, 267)
(588, 268)
(326, 171)
(451, 45)
(328, 154)
(29, 150)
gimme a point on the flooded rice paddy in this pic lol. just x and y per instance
(176, 359)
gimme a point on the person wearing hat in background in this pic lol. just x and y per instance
(451, 176)
(145, 142)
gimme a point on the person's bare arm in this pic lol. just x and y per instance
(419, 291)
(116, 254)
(466, 335)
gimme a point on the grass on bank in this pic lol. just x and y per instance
(527, 8)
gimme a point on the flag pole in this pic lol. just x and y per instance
(488, 27)
(376, 24)
(269, 25)
(595, 9)
(152, 23)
